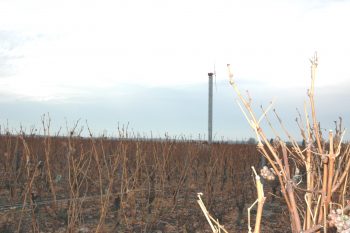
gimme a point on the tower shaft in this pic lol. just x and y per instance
(210, 108)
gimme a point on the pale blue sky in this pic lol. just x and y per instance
(146, 62)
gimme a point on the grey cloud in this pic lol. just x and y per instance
(330, 103)
(10, 41)
(179, 111)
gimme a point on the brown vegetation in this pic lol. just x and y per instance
(72, 184)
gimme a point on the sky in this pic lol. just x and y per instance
(144, 63)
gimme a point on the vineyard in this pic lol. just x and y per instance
(75, 184)
(131, 184)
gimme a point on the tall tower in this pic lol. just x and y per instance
(210, 108)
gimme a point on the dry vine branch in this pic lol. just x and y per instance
(260, 200)
(214, 224)
(326, 165)
(46, 122)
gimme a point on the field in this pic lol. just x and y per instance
(75, 184)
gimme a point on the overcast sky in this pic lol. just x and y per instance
(146, 62)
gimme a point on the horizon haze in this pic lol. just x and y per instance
(145, 63)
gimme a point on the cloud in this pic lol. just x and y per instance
(167, 44)
(9, 42)
(178, 111)
(147, 63)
